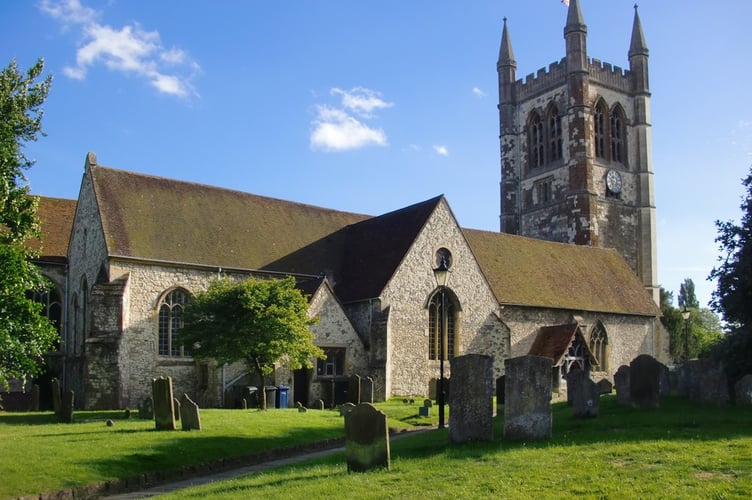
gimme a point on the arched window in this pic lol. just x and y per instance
(536, 141)
(84, 309)
(52, 308)
(554, 135)
(617, 135)
(599, 346)
(435, 315)
(599, 126)
(73, 331)
(170, 322)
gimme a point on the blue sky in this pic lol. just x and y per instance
(371, 106)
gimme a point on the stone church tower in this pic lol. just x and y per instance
(576, 161)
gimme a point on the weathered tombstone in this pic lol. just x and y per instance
(573, 388)
(527, 408)
(146, 409)
(622, 383)
(605, 386)
(500, 393)
(645, 374)
(433, 388)
(319, 404)
(353, 389)
(366, 390)
(191, 417)
(301, 408)
(176, 409)
(471, 400)
(743, 391)
(66, 409)
(244, 404)
(366, 439)
(424, 411)
(585, 394)
(427, 403)
(707, 382)
(34, 397)
(164, 416)
(57, 402)
(664, 382)
(346, 408)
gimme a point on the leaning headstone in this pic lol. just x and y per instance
(527, 409)
(366, 390)
(346, 408)
(57, 401)
(176, 409)
(645, 374)
(709, 384)
(585, 394)
(500, 393)
(301, 408)
(353, 389)
(471, 401)
(605, 386)
(146, 409)
(164, 415)
(743, 391)
(66, 410)
(191, 417)
(366, 439)
(34, 397)
(621, 382)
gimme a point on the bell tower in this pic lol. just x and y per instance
(575, 144)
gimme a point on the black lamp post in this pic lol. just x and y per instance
(441, 274)
(686, 313)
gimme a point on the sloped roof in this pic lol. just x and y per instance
(151, 217)
(56, 219)
(554, 341)
(375, 248)
(530, 272)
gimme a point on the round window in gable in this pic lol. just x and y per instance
(443, 254)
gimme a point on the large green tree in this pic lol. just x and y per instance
(258, 322)
(695, 336)
(25, 334)
(733, 295)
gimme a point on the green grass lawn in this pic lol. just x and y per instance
(680, 450)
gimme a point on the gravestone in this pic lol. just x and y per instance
(146, 409)
(353, 389)
(34, 397)
(433, 388)
(66, 409)
(707, 382)
(574, 388)
(244, 404)
(621, 382)
(585, 394)
(366, 439)
(645, 373)
(176, 409)
(319, 404)
(57, 402)
(471, 401)
(366, 390)
(164, 415)
(500, 393)
(605, 386)
(191, 417)
(664, 382)
(743, 391)
(346, 408)
(301, 408)
(527, 408)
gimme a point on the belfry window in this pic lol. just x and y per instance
(600, 131)
(554, 135)
(536, 141)
(617, 135)
(170, 323)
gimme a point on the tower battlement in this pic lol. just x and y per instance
(610, 76)
(543, 80)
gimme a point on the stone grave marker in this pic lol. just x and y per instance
(743, 391)
(664, 381)
(57, 401)
(527, 408)
(471, 401)
(500, 395)
(645, 373)
(585, 394)
(353, 389)
(622, 384)
(164, 415)
(319, 404)
(707, 382)
(66, 410)
(176, 409)
(366, 390)
(191, 417)
(605, 386)
(346, 408)
(366, 439)
(146, 408)
(35, 397)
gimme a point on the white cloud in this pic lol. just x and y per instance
(129, 50)
(344, 127)
(441, 150)
(478, 92)
(335, 130)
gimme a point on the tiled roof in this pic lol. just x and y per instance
(164, 219)
(554, 341)
(526, 271)
(56, 219)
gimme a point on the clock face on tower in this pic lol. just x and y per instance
(613, 181)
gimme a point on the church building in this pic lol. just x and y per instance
(133, 249)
